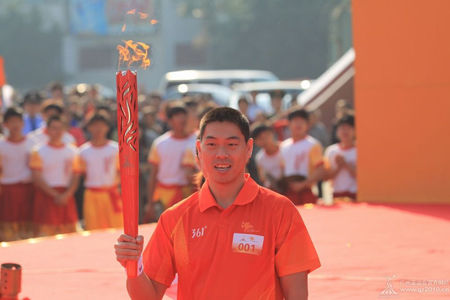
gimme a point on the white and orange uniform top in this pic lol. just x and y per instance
(57, 164)
(270, 164)
(301, 157)
(40, 136)
(171, 155)
(14, 160)
(343, 182)
(100, 164)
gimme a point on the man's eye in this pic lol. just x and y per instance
(232, 145)
(210, 144)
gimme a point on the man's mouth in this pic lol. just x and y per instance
(222, 167)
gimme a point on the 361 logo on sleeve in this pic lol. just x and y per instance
(247, 243)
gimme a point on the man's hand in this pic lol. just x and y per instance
(62, 199)
(128, 248)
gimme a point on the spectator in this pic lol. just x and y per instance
(303, 162)
(341, 160)
(317, 129)
(268, 160)
(56, 91)
(276, 101)
(32, 118)
(243, 106)
(253, 108)
(342, 108)
(50, 109)
(55, 175)
(99, 161)
(173, 164)
(16, 190)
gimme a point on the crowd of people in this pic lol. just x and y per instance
(59, 159)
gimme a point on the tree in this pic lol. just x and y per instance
(32, 56)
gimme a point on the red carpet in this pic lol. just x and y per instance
(360, 247)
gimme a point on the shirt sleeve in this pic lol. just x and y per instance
(294, 250)
(158, 256)
(35, 160)
(188, 159)
(153, 156)
(315, 157)
(79, 164)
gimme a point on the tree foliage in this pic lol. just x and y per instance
(32, 56)
(288, 37)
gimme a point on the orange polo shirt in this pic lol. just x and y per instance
(233, 253)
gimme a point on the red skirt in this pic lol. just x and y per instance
(46, 212)
(302, 197)
(16, 202)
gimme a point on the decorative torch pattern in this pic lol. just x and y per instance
(127, 123)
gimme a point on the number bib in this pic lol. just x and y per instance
(247, 243)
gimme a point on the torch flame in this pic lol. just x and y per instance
(153, 21)
(124, 27)
(142, 15)
(134, 52)
(131, 11)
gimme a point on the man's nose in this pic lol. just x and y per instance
(221, 152)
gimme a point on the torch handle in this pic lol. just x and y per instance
(127, 124)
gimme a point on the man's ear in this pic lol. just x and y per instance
(197, 147)
(249, 148)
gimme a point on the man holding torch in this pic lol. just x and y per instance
(233, 239)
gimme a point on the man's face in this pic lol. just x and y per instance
(178, 122)
(32, 108)
(55, 131)
(50, 113)
(299, 127)
(14, 125)
(264, 139)
(223, 152)
(276, 102)
(98, 130)
(345, 132)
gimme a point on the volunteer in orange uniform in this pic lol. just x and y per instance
(16, 190)
(55, 175)
(233, 239)
(99, 162)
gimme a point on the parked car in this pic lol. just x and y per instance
(218, 93)
(221, 77)
(289, 89)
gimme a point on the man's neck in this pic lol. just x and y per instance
(179, 134)
(299, 137)
(272, 148)
(99, 142)
(226, 193)
(56, 143)
(347, 144)
(15, 137)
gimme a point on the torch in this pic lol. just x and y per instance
(127, 123)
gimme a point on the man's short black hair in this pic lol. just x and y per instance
(53, 106)
(299, 113)
(226, 114)
(260, 128)
(99, 117)
(175, 109)
(12, 112)
(55, 118)
(346, 119)
(33, 97)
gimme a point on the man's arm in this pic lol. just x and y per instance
(127, 249)
(295, 286)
